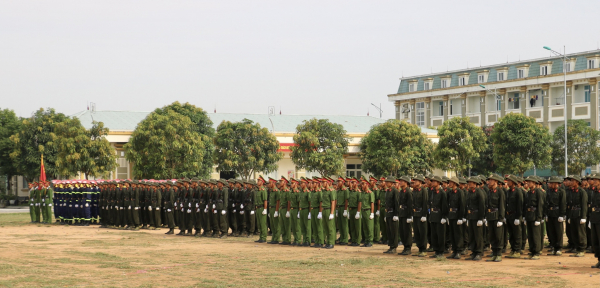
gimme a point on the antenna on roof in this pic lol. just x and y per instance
(279, 110)
(92, 107)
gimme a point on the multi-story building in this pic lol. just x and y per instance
(534, 88)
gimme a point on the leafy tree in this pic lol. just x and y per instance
(166, 145)
(36, 137)
(484, 165)
(320, 146)
(10, 124)
(245, 148)
(460, 141)
(582, 147)
(396, 148)
(520, 143)
(82, 150)
(202, 125)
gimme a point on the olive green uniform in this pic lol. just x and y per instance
(305, 223)
(439, 210)
(260, 196)
(594, 220)
(534, 204)
(377, 216)
(495, 212)
(456, 211)
(354, 224)
(275, 226)
(420, 206)
(405, 215)
(294, 198)
(316, 197)
(329, 232)
(556, 206)
(514, 211)
(476, 213)
(391, 207)
(578, 210)
(342, 222)
(285, 217)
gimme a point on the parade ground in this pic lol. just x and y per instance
(36, 255)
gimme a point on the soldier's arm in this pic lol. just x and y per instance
(502, 205)
(444, 204)
(481, 207)
(584, 205)
(562, 204)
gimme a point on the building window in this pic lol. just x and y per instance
(462, 81)
(544, 70)
(441, 108)
(591, 64)
(568, 67)
(521, 73)
(444, 83)
(411, 87)
(498, 104)
(514, 102)
(427, 86)
(420, 114)
(500, 76)
(481, 79)
(587, 93)
(25, 183)
(354, 170)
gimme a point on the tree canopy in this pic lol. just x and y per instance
(484, 164)
(10, 124)
(460, 141)
(320, 146)
(396, 148)
(245, 147)
(520, 143)
(582, 147)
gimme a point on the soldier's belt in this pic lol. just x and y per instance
(531, 209)
(595, 209)
(553, 208)
(417, 209)
(510, 212)
(472, 211)
(403, 206)
(390, 210)
(492, 210)
(435, 210)
(453, 209)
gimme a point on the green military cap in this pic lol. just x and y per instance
(462, 180)
(252, 181)
(574, 177)
(532, 178)
(555, 179)
(195, 179)
(496, 177)
(404, 178)
(512, 178)
(474, 180)
(437, 178)
(594, 176)
(390, 179)
(455, 180)
(419, 177)
(445, 179)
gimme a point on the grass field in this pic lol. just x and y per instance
(35, 255)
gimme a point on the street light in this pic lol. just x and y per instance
(495, 92)
(564, 59)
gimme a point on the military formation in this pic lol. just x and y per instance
(456, 216)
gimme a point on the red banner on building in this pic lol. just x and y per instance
(285, 147)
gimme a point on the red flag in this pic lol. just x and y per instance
(42, 172)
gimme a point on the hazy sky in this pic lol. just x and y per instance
(307, 57)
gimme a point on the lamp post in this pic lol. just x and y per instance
(564, 59)
(495, 92)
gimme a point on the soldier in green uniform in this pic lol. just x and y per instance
(47, 201)
(260, 200)
(342, 210)
(354, 204)
(274, 205)
(405, 210)
(456, 212)
(284, 211)
(382, 221)
(476, 215)
(222, 198)
(577, 213)
(438, 204)
(514, 215)
(495, 213)
(420, 206)
(316, 199)
(294, 198)
(327, 211)
(377, 203)
(534, 204)
(37, 196)
(391, 213)
(168, 199)
(556, 211)
(304, 203)
(232, 209)
(247, 209)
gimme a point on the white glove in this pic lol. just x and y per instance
(582, 221)
(76, 205)
(49, 205)
(590, 225)
(409, 220)
(197, 205)
(459, 222)
(233, 205)
(517, 222)
(264, 212)
(276, 214)
(345, 214)
(357, 216)
(395, 218)
(423, 219)
(287, 214)
(234, 210)
(168, 210)
(298, 214)
(181, 205)
(223, 212)
(546, 218)
(561, 219)
(136, 208)
(214, 206)
(252, 212)
(569, 221)
(31, 204)
(499, 224)
(443, 221)
(479, 223)
(377, 212)
(485, 221)
(205, 210)
(371, 216)
(190, 205)
(309, 215)
(319, 216)
(330, 216)
(241, 206)
(215, 211)
(157, 208)
(149, 207)
(465, 220)
(128, 208)
(536, 223)
(241, 212)
(384, 219)
(189, 211)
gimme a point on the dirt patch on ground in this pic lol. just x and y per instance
(54, 255)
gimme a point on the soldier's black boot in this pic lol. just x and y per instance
(182, 233)
(597, 265)
(171, 231)
(189, 233)
(87, 223)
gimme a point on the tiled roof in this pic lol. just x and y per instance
(127, 120)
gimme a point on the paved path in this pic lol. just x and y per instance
(14, 209)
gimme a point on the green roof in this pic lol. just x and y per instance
(128, 120)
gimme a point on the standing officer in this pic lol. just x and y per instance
(168, 206)
(577, 214)
(534, 204)
(284, 211)
(377, 204)
(556, 211)
(420, 206)
(594, 219)
(260, 202)
(456, 213)
(274, 205)
(476, 215)
(354, 226)
(222, 198)
(294, 198)
(496, 204)
(304, 202)
(316, 199)
(391, 214)
(438, 204)
(248, 207)
(514, 215)
(327, 211)
(342, 210)
(368, 212)
(404, 207)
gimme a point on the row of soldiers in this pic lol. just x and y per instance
(446, 213)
